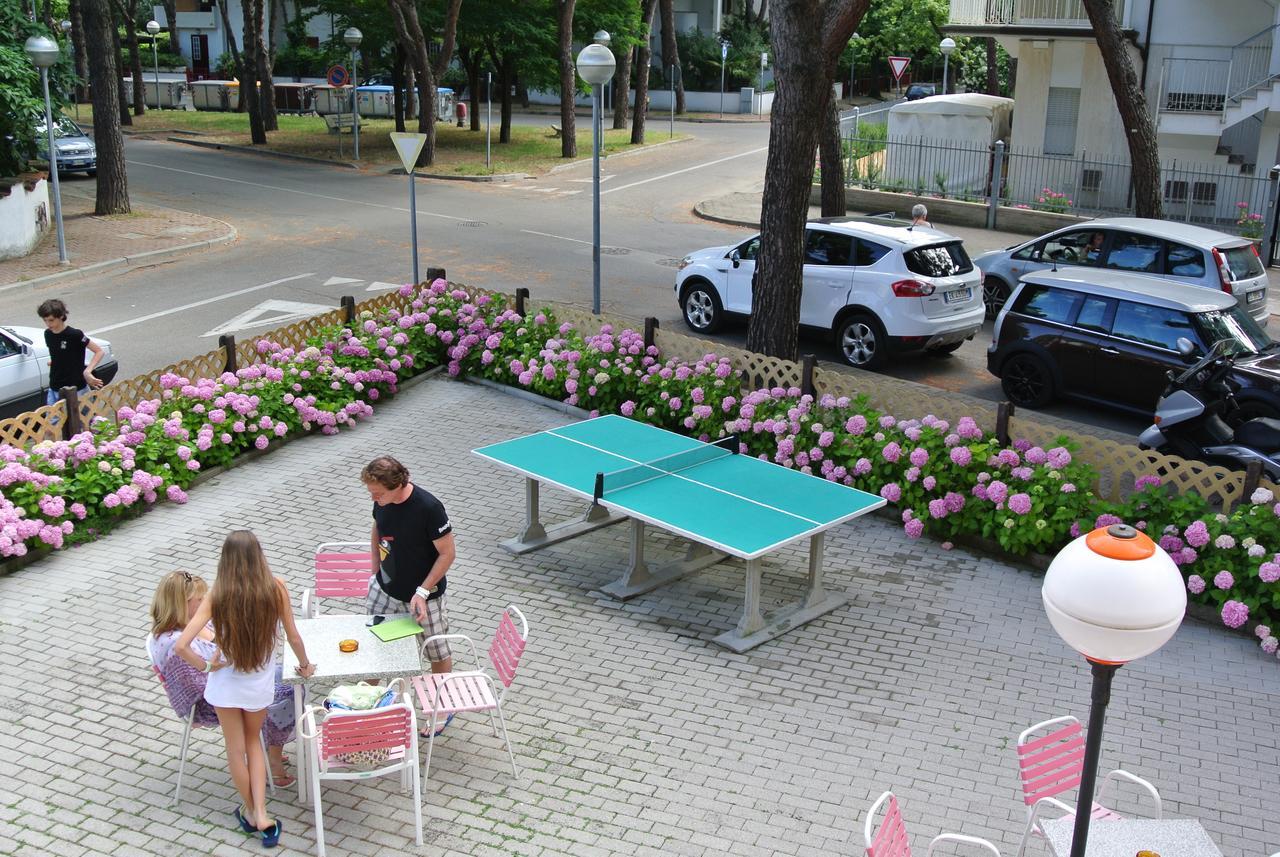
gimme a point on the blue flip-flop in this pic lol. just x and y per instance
(271, 836)
(244, 824)
(439, 729)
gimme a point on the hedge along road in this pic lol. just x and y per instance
(348, 231)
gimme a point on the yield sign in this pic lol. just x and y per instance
(408, 146)
(898, 65)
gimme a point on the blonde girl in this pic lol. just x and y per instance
(247, 606)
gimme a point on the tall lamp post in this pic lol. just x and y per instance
(947, 45)
(724, 55)
(595, 66)
(43, 52)
(1114, 596)
(353, 37)
(853, 62)
(71, 49)
(153, 28)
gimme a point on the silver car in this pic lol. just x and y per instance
(1156, 248)
(76, 151)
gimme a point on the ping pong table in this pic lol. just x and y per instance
(723, 503)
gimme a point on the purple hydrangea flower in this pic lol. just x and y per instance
(1234, 613)
(1224, 580)
(1195, 584)
(1197, 535)
(891, 492)
(1020, 504)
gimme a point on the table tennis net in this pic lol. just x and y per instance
(608, 483)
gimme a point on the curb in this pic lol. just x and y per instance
(266, 153)
(124, 261)
(716, 218)
(496, 177)
(623, 154)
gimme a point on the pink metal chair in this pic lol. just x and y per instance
(443, 695)
(391, 731)
(890, 840)
(1051, 760)
(342, 571)
(188, 724)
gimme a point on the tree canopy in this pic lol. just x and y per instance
(21, 99)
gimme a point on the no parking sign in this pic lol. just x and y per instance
(337, 75)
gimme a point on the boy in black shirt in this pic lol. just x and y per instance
(67, 346)
(412, 546)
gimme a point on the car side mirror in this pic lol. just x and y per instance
(26, 350)
(1186, 348)
(736, 258)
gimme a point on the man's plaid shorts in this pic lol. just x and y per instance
(379, 603)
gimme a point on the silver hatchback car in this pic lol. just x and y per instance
(1157, 248)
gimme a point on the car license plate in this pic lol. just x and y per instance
(1256, 297)
(956, 296)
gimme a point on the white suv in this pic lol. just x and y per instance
(876, 287)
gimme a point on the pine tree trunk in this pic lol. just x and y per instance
(1144, 150)
(397, 86)
(671, 51)
(171, 24)
(472, 59)
(568, 83)
(993, 67)
(266, 80)
(643, 58)
(507, 74)
(112, 180)
(249, 98)
(404, 16)
(82, 56)
(832, 161)
(622, 89)
(139, 95)
(122, 102)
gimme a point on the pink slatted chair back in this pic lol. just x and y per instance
(342, 573)
(380, 729)
(507, 647)
(891, 839)
(1052, 764)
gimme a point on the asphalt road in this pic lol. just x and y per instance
(310, 233)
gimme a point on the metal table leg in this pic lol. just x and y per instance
(304, 765)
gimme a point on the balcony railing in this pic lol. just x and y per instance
(1030, 13)
(1194, 85)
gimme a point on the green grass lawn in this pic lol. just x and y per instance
(459, 151)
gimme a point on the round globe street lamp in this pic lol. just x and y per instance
(947, 45)
(353, 37)
(602, 37)
(153, 28)
(43, 52)
(595, 66)
(1114, 596)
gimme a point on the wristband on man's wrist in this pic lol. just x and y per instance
(422, 593)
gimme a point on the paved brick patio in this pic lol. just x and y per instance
(636, 736)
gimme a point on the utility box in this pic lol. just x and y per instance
(444, 103)
(747, 99)
(376, 100)
(170, 92)
(293, 97)
(331, 99)
(215, 94)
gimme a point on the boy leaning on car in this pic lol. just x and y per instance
(67, 347)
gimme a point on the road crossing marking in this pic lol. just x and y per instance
(205, 302)
(269, 312)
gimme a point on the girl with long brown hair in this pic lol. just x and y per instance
(246, 605)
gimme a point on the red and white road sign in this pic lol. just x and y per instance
(898, 65)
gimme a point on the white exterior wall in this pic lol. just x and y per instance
(25, 216)
(210, 24)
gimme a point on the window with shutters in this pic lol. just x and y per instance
(1062, 112)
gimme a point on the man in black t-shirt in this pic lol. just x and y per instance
(412, 545)
(67, 346)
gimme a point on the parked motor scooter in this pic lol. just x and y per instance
(1189, 418)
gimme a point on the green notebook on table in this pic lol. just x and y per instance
(394, 629)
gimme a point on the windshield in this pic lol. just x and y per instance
(1237, 327)
(62, 127)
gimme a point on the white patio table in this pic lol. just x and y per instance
(1169, 837)
(373, 660)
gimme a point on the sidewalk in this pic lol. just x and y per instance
(743, 209)
(635, 735)
(96, 243)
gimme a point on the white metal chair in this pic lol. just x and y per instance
(443, 695)
(342, 571)
(1051, 761)
(391, 731)
(890, 839)
(188, 724)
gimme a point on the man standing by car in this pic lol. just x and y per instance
(67, 346)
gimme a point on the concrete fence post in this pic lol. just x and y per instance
(650, 330)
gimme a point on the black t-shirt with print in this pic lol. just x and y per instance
(66, 351)
(406, 541)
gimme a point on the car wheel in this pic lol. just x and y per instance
(90, 173)
(703, 311)
(944, 350)
(1251, 411)
(995, 292)
(862, 341)
(1026, 380)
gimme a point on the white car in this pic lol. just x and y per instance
(877, 288)
(24, 368)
